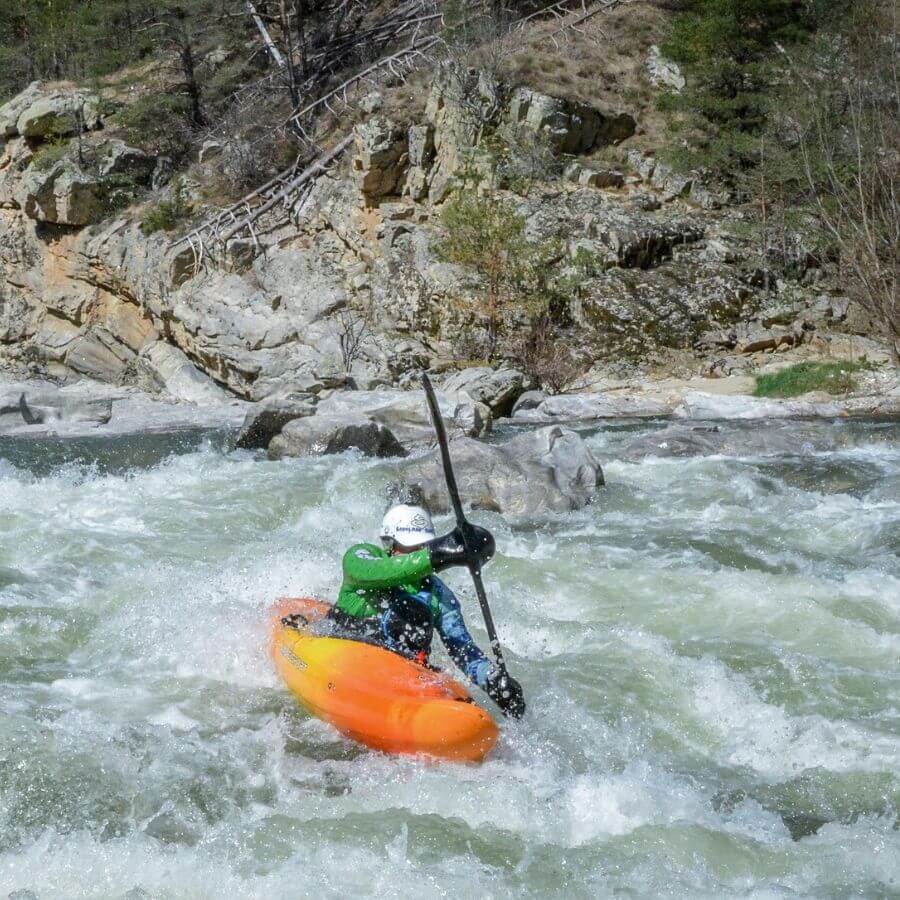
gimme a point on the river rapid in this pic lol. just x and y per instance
(710, 655)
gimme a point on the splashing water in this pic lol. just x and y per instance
(710, 655)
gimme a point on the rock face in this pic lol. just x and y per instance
(323, 434)
(171, 372)
(550, 470)
(83, 290)
(380, 160)
(498, 389)
(570, 127)
(406, 414)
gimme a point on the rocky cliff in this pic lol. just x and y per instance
(347, 277)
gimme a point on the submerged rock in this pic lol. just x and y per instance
(550, 470)
(22, 405)
(265, 421)
(322, 435)
(777, 439)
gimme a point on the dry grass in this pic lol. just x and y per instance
(602, 64)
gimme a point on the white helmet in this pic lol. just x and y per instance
(408, 526)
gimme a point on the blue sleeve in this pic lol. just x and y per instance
(452, 629)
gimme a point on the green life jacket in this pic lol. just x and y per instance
(371, 574)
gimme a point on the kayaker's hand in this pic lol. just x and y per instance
(450, 550)
(506, 692)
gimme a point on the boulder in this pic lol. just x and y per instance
(406, 413)
(62, 195)
(381, 158)
(663, 72)
(169, 369)
(11, 110)
(265, 420)
(529, 400)
(700, 405)
(571, 127)
(496, 388)
(550, 470)
(22, 405)
(598, 178)
(59, 114)
(120, 159)
(323, 434)
(752, 338)
(585, 407)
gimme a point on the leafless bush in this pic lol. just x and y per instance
(353, 329)
(547, 358)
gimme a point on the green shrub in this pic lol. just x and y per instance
(159, 124)
(48, 156)
(166, 214)
(832, 377)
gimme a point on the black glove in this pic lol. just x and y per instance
(450, 550)
(506, 692)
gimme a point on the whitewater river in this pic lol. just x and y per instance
(711, 655)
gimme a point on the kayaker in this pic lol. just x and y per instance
(391, 594)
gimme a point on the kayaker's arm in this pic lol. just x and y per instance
(456, 638)
(498, 684)
(369, 567)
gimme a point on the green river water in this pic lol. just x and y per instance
(711, 655)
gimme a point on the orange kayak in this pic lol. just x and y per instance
(374, 696)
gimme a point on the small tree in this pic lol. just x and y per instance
(485, 234)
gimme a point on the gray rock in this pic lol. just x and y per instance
(699, 405)
(752, 338)
(324, 434)
(172, 372)
(571, 127)
(11, 110)
(663, 72)
(62, 195)
(586, 407)
(421, 155)
(598, 178)
(642, 163)
(550, 470)
(120, 159)
(406, 413)
(381, 158)
(529, 400)
(497, 388)
(265, 420)
(58, 114)
(371, 103)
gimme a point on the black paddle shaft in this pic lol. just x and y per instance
(461, 521)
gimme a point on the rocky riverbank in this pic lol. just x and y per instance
(662, 272)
